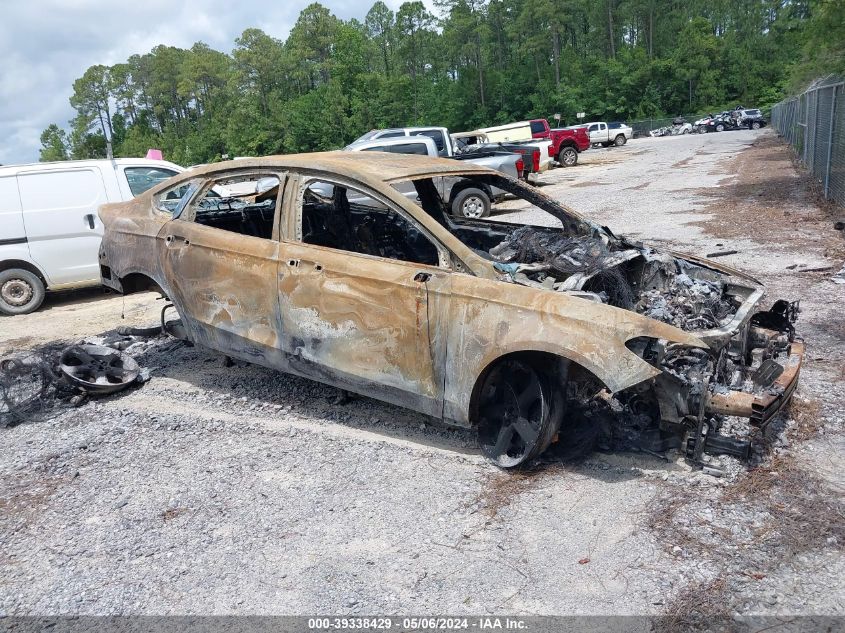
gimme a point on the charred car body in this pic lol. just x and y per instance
(328, 271)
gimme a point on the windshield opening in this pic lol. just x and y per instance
(465, 199)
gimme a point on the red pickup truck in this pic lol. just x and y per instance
(566, 142)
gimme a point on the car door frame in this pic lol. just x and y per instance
(227, 301)
(335, 361)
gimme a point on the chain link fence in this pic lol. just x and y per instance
(814, 124)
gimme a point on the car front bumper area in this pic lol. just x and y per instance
(761, 387)
(761, 407)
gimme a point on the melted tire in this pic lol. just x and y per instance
(519, 413)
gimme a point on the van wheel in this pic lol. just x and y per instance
(471, 203)
(568, 157)
(21, 292)
(620, 140)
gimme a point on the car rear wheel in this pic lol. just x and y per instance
(568, 157)
(21, 291)
(519, 413)
(755, 125)
(620, 140)
(471, 203)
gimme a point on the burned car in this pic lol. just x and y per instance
(323, 266)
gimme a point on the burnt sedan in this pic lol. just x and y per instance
(348, 269)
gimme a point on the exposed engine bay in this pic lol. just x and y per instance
(687, 405)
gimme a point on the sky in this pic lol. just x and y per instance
(46, 44)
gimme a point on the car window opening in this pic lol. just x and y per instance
(346, 219)
(244, 205)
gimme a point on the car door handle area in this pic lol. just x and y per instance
(89, 218)
(176, 241)
(422, 277)
(305, 265)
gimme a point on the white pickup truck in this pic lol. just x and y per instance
(469, 202)
(49, 228)
(607, 134)
(534, 152)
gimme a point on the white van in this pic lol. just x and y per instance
(49, 229)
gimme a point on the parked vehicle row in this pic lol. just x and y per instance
(731, 120)
(738, 118)
(679, 126)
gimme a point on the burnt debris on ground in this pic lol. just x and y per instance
(40, 383)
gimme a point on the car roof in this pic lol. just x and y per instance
(366, 166)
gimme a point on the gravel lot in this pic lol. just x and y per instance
(214, 490)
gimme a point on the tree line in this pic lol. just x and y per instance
(474, 63)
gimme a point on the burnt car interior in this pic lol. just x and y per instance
(244, 204)
(343, 218)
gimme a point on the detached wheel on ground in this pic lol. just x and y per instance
(471, 203)
(21, 291)
(568, 157)
(620, 140)
(518, 413)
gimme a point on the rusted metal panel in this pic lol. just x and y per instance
(491, 319)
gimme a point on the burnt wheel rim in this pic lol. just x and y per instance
(16, 292)
(98, 369)
(472, 207)
(513, 414)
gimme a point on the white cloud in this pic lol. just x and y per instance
(46, 44)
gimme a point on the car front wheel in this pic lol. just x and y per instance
(720, 128)
(568, 157)
(755, 125)
(519, 413)
(471, 203)
(21, 291)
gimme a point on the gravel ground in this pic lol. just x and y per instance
(214, 490)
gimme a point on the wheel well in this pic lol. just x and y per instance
(565, 144)
(138, 282)
(561, 367)
(6, 264)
